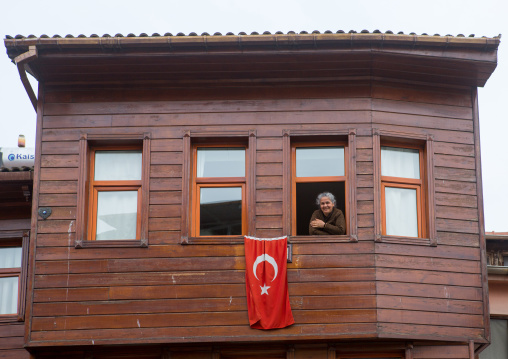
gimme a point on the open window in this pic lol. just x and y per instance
(13, 272)
(404, 201)
(316, 168)
(219, 190)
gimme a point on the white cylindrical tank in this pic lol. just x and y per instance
(17, 157)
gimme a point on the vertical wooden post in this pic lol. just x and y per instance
(431, 215)
(251, 183)
(34, 216)
(409, 351)
(376, 156)
(290, 352)
(82, 191)
(351, 185)
(471, 349)
(331, 354)
(186, 158)
(286, 179)
(145, 196)
(481, 216)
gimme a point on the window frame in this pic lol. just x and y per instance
(346, 137)
(407, 183)
(317, 179)
(216, 182)
(17, 239)
(223, 139)
(96, 186)
(88, 188)
(425, 186)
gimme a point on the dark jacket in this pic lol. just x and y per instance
(334, 223)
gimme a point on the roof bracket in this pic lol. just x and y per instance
(21, 61)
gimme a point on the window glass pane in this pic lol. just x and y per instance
(498, 349)
(118, 165)
(8, 295)
(221, 162)
(220, 211)
(401, 212)
(10, 257)
(319, 161)
(117, 215)
(400, 162)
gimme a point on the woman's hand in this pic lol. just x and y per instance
(317, 223)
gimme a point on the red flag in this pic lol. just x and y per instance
(267, 284)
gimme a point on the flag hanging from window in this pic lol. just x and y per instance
(266, 283)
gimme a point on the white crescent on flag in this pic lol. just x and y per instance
(267, 258)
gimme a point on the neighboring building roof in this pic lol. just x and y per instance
(497, 235)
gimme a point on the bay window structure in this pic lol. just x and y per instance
(219, 191)
(316, 168)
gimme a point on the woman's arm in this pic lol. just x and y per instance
(315, 231)
(335, 227)
(338, 226)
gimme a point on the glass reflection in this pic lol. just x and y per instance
(400, 162)
(118, 165)
(319, 161)
(117, 215)
(10, 257)
(8, 295)
(221, 162)
(401, 212)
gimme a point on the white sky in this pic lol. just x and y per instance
(483, 18)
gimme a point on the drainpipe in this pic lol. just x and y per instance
(21, 61)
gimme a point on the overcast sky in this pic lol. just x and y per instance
(483, 18)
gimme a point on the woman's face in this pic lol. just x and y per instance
(326, 205)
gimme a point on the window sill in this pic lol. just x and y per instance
(407, 240)
(112, 244)
(346, 238)
(213, 240)
(10, 318)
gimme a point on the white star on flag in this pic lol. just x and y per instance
(264, 289)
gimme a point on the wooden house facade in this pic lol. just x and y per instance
(199, 140)
(15, 224)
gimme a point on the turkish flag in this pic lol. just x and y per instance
(266, 283)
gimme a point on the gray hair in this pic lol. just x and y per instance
(326, 194)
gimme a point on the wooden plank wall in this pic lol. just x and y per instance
(172, 293)
(426, 288)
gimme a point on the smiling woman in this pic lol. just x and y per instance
(327, 219)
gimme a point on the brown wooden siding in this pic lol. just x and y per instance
(173, 293)
(11, 330)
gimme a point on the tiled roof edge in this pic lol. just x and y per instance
(19, 44)
(315, 32)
